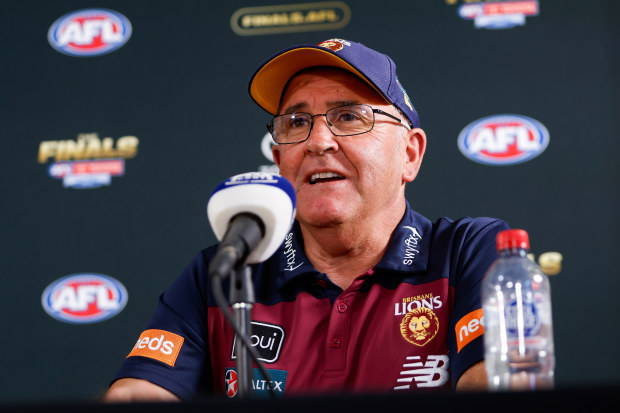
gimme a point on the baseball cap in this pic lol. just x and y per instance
(377, 69)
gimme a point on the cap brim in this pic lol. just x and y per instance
(268, 82)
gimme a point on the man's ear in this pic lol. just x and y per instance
(275, 151)
(416, 146)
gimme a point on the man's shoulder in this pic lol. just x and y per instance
(468, 231)
(445, 223)
(469, 223)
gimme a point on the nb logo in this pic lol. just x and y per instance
(433, 373)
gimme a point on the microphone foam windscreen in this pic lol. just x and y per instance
(268, 196)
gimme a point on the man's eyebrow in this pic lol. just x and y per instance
(332, 104)
(337, 103)
(294, 108)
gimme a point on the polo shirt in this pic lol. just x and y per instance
(413, 322)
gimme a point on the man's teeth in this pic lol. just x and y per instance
(324, 175)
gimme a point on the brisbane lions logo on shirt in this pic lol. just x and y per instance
(419, 326)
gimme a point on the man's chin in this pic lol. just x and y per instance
(322, 217)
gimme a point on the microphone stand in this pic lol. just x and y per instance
(242, 300)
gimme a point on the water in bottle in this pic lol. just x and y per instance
(518, 334)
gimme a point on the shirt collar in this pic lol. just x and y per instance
(291, 258)
(407, 251)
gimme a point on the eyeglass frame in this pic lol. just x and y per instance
(329, 126)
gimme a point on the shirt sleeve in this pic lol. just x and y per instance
(173, 350)
(476, 252)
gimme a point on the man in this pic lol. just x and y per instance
(338, 304)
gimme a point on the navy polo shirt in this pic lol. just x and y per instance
(411, 323)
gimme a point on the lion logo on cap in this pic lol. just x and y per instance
(419, 326)
(334, 44)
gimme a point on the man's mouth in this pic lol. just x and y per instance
(325, 177)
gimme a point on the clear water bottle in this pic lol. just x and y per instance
(518, 336)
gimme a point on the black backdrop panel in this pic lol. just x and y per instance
(170, 113)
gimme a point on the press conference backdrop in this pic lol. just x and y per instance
(117, 123)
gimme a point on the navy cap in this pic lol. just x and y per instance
(377, 69)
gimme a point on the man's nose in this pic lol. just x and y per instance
(321, 138)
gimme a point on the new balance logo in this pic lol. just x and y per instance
(433, 373)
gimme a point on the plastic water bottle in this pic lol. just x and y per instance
(518, 336)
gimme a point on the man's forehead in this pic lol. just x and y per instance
(303, 105)
(332, 86)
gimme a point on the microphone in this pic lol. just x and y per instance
(250, 214)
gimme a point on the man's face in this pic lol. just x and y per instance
(365, 173)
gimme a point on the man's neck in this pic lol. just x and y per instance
(346, 251)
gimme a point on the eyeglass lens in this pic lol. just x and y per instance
(342, 121)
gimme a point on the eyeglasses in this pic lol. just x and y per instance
(346, 120)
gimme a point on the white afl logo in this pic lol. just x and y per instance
(89, 32)
(503, 139)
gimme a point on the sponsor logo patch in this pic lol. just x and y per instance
(231, 383)
(411, 245)
(89, 32)
(419, 326)
(84, 298)
(267, 339)
(260, 386)
(159, 345)
(290, 253)
(468, 328)
(432, 373)
(503, 140)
